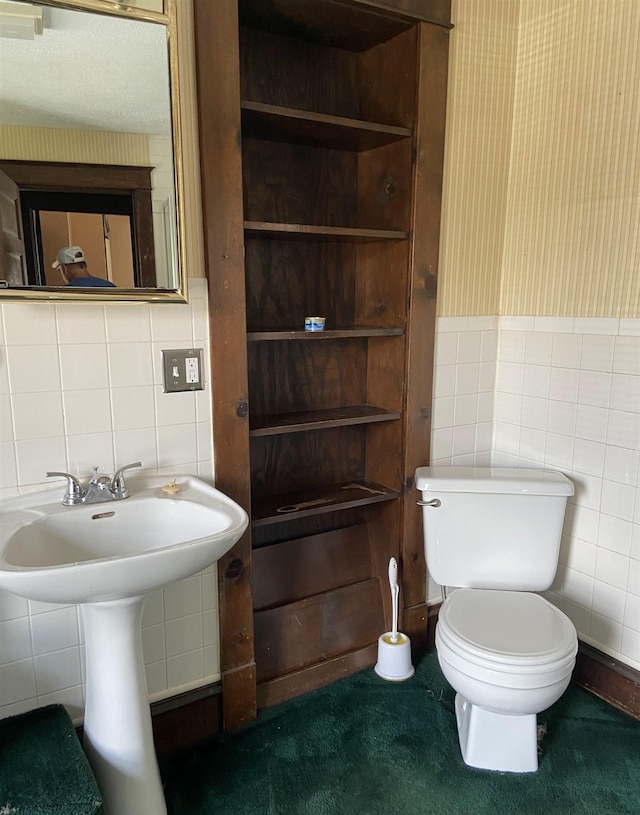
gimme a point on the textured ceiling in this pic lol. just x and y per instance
(89, 71)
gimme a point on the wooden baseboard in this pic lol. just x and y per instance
(609, 679)
(184, 720)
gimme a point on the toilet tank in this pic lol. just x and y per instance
(494, 528)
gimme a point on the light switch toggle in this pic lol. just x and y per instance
(182, 369)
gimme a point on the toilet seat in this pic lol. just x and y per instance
(506, 632)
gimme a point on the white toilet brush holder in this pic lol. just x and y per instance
(394, 658)
(394, 648)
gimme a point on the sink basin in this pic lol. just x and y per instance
(118, 549)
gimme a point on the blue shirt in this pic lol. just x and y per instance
(91, 281)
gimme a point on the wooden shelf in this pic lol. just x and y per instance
(328, 334)
(319, 420)
(311, 232)
(294, 505)
(276, 123)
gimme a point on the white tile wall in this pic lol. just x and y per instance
(567, 396)
(464, 376)
(463, 396)
(81, 385)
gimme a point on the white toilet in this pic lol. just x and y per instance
(494, 534)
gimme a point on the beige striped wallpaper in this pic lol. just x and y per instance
(542, 178)
(86, 146)
(482, 75)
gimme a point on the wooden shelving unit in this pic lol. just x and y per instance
(340, 109)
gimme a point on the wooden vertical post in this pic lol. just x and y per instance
(218, 83)
(425, 227)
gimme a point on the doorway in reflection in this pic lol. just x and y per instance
(106, 209)
(105, 240)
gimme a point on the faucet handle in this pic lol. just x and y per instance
(74, 492)
(118, 487)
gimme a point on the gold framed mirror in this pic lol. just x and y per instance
(91, 150)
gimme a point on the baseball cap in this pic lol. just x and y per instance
(69, 254)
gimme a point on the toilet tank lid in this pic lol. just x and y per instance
(505, 480)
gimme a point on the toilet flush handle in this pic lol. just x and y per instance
(434, 502)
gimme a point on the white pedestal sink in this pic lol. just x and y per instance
(108, 557)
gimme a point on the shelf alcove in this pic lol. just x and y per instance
(322, 133)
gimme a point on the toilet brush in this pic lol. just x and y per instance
(395, 592)
(394, 648)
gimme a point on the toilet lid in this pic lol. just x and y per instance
(506, 626)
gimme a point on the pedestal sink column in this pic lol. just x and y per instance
(118, 737)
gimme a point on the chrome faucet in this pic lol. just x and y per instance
(100, 488)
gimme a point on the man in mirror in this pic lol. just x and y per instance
(73, 268)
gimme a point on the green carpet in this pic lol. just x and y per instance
(43, 769)
(363, 746)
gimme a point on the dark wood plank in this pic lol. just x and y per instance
(294, 73)
(278, 176)
(218, 87)
(317, 419)
(316, 628)
(386, 99)
(294, 569)
(307, 376)
(275, 509)
(280, 689)
(386, 190)
(303, 462)
(288, 280)
(239, 705)
(430, 131)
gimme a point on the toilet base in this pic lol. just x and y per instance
(495, 741)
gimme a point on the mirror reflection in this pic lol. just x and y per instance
(86, 148)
